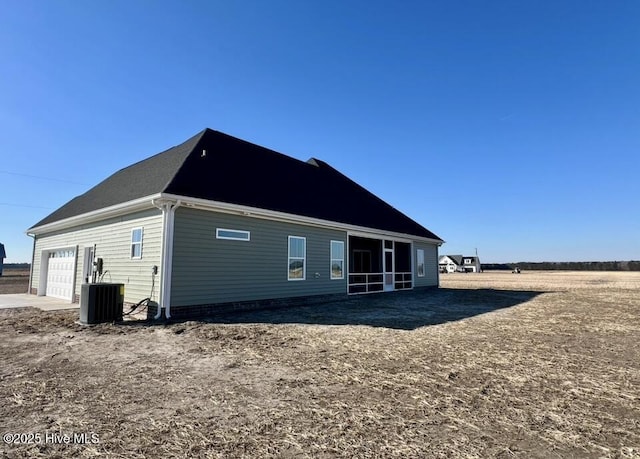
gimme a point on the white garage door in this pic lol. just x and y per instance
(60, 273)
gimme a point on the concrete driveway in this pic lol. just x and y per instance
(23, 300)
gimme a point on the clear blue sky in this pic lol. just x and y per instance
(511, 127)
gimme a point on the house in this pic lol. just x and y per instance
(217, 222)
(459, 263)
(3, 255)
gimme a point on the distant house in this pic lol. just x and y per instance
(217, 222)
(3, 255)
(459, 263)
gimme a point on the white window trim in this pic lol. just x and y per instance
(136, 243)
(331, 260)
(248, 233)
(418, 263)
(304, 259)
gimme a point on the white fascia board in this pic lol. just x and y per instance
(217, 206)
(97, 215)
(381, 235)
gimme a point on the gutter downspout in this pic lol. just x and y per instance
(438, 268)
(168, 209)
(33, 257)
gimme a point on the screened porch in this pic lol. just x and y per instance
(378, 265)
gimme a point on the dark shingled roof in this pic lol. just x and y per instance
(238, 172)
(141, 179)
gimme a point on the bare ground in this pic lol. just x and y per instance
(491, 365)
(14, 281)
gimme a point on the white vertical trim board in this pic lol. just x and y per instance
(168, 224)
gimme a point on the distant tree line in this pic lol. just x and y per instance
(567, 266)
(17, 265)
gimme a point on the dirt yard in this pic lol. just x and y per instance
(14, 281)
(536, 365)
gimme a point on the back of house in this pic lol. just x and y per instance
(218, 223)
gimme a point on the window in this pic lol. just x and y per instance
(136, 243)
(337, 260)
(234, 235)
(297, 255)
(420, 263)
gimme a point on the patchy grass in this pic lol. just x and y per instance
(550, 374)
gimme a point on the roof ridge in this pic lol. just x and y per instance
(279, 154)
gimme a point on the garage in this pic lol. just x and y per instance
(60, 273)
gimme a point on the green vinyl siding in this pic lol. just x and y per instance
(207, 270)
(430, 265)
(112, 239)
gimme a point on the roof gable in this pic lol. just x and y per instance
(218, 167)
(457, 259)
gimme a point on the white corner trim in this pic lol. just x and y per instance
(168, 209)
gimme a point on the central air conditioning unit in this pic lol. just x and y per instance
(101, 303)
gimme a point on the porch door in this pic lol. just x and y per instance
(388, 266)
